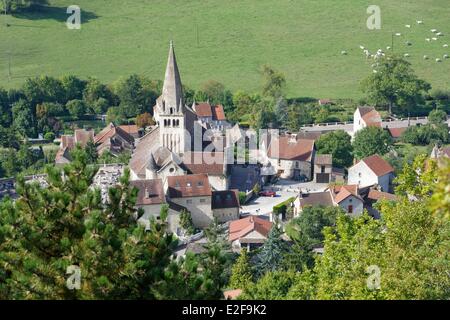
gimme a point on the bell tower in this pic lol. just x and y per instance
(170, 109)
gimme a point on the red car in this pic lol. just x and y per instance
(267, 193)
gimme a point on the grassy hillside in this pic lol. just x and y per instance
(225, 40)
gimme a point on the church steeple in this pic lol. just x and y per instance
(172, 90)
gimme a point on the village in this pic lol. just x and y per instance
(188, 162)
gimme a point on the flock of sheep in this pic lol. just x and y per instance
(436, 35)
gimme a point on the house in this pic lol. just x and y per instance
(324, 102)
(250, 232)
(114, 139)
(193, 193)
(371, 171)
(150, 199)
(323, 168)
(80, 137)
(347, 197)
(210, 163)
(225, 205)
(212, 115)
(396, 133)
(365, 117)
(291, 157)
(372, 197)
(440, 152)
(132, 130)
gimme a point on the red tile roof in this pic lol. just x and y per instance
(341, 193)
(242, 227)
(378, 165)
(290, 148)
(218, 113)
(83, 136)
(370, 116)
(110, 131)
(192, 185)
(317, 198)
(131, 129)
(211, 163)
(150, 191)
(396, 132)
(203, 110)
(377, 195)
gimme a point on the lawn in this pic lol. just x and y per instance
(225, 40)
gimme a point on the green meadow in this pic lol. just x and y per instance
(227, 41)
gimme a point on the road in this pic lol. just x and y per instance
(348, 126)
(285, 189)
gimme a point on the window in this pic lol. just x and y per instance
(296, 165)
(350, 209)
(200, 183)
(189, 201)
(202, 200)
(359, 174)
(322, 169)
(171, 170)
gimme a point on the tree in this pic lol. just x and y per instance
(44, 89)
(186, 222)
(144, 120)
(274, 83)
(241, 273)
(395, 84)
(274, 285)
(338, 144)
(431, 133)
(94, 90)
(216, 93)
(76, 108)
(23, 119)
(370, 141)
(115, 115)
(47, 230)
(5, 109)
(437, 116)
(73, 88)
(91, 152)
(270, 256)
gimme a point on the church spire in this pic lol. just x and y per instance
(172, 89)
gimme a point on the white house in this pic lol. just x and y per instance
(370, 171)
(193, 193)
(365, 117)
(347, 197)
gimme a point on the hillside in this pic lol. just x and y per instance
(225, 40)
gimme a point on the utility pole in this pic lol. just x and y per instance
(392, 42)
(196, 28)
(9, 65)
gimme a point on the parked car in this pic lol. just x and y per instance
(267, 193)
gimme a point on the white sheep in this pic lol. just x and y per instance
(434, 39)
(446, 56)
(344, 53)
(445, 46)
(362, 47)
(439, 34)
(388, 48)
(407, 25)
(406, 55)
(428, 39)
(375, 71)
(438, 60)
(398, 34)
(419, 22)
(425, 57)
(433, 30)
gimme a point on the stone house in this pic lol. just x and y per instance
(249, 233)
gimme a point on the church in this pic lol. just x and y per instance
(175, 145)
